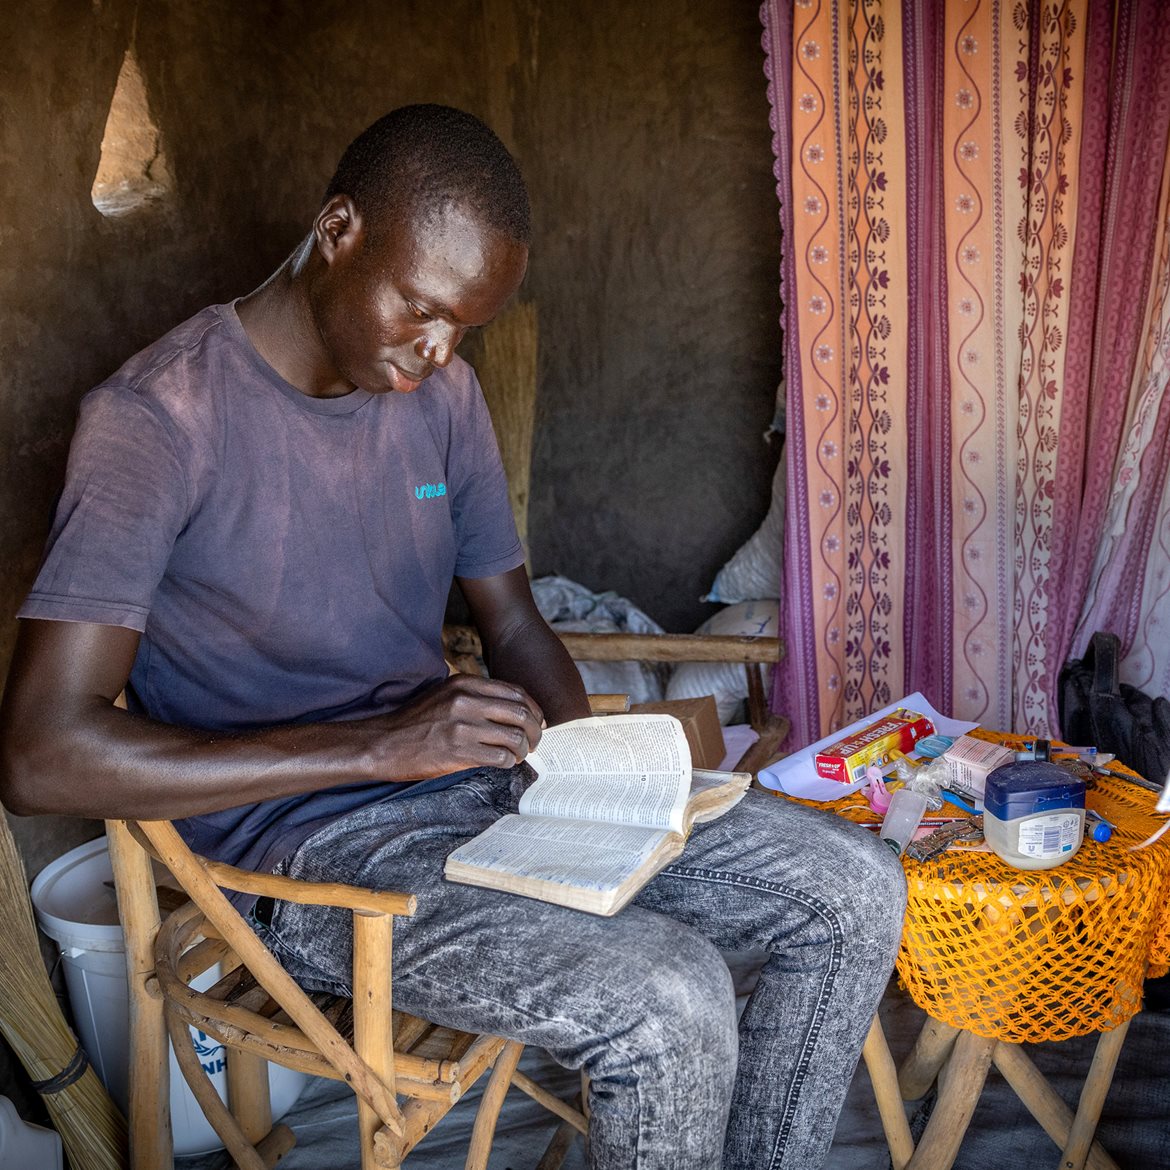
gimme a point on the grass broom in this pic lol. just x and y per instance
(507, 372)
(91, 1127)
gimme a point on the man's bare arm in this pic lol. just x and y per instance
(65, 747)
(520, 648)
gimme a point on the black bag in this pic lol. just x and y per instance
(1095, 709)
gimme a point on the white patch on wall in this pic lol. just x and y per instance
(133, 169)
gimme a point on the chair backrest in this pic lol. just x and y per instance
(405, 1072)
(464, 652)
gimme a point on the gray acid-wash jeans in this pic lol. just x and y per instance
(643, 1000)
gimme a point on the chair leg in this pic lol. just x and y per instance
(248, 1093)
(373, 951)
(1080, 1136)
(151, 1146)
(151, 1140)
(930, 1052)
(242, 1152)
(568, 1112)
(557, 1150)
(563, 1137)
(1044, 1103)
(489, 1107)
(884, 1078)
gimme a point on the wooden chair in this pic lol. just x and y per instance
(406, 1072)
(406, 1075)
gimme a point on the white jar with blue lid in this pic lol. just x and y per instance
(1034, 814)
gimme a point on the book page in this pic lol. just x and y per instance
(582, 854)
(603, 744)
(624, 769)
(712, 794)
(704, 780)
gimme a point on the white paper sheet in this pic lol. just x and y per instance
(796, 774)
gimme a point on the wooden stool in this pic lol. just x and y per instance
(960, 1061)
(998, 956)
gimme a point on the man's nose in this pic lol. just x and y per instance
(439, 345)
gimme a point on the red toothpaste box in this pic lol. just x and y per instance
(847, 759)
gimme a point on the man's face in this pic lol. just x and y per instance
(392, 309)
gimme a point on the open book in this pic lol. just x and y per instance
(613, 803)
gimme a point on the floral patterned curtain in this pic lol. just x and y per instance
(976, 292)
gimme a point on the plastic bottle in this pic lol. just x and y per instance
(23, 1144)
(919, 791)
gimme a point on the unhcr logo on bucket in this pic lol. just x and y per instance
(209, 1050)
(428, 491)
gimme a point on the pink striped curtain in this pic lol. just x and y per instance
(976, 284)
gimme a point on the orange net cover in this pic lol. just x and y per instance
(1029, 955)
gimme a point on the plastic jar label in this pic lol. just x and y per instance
(1051, 835)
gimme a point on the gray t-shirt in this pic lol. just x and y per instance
(286, 559)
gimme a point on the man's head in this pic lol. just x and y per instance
(423, 234)
(417, 161)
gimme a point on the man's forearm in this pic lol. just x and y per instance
(66, 748)
(532, 656)
(110, 763)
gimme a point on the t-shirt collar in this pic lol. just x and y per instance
(346, 404)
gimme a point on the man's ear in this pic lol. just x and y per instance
(337, 228)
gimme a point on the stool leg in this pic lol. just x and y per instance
(884, 1078)
(959, 1085)
(1080, 1134)
(929, 1054)
(557, 1150)
(1043, 1102)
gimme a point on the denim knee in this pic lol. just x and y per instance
(681, 1008)
(877, 897)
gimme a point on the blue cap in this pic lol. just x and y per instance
(1031, 786)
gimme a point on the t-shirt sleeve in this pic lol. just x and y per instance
(485, 528)
(124, 502)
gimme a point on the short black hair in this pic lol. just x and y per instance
(422, 159)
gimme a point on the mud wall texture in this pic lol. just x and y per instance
(643, 130)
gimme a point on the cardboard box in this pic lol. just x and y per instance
(969, 762)
(848, 758)
(700, 720)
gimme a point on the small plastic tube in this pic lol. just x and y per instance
(1097, 827)
(921, 790)
(907, 808)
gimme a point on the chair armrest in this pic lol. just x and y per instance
(310, 893)
(609, 704)
(270, 884)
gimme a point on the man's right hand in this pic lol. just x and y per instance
(462, 722)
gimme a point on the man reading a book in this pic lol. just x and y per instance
(262, 517)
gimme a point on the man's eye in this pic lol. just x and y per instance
(419, 314)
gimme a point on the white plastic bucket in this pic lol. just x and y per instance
(77, 909)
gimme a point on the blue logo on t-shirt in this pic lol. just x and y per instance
(428, 491)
